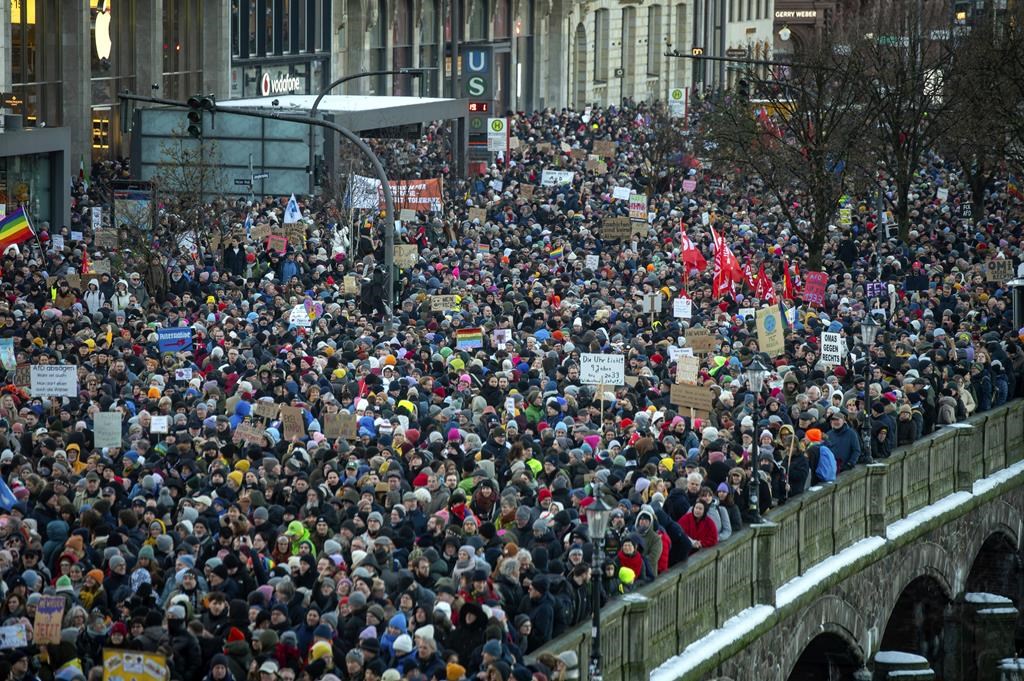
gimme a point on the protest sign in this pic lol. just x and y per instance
(770, 338)
(14, 636)
(246, 432)
(604, 147)
(106, 238)
(831, 348)
(942, 194)
(599, 167)
(442, 303)
(292, 422)
(638, 207)
(349, 427)
(689, 185)
(332, 426)
(265, 409)
(845, 217)
(277, 243)
(682, 308)
(77, 236)
(96, 219)
(159, 425)
(101, 266)
(616, 228)
(183, 374)
(814, 288)
(47, 624)
(526, 190)
(349, 285)
(622, 193)
(8, 358)
(701, 341)
(174, 339)
(874, 289)
(23, 375)
(599, 369)
(687, 369)
(130, 665)
(299, 316)
(406, 215)
(499, 337)
(999, 270)
(53, 380)
(555, 178)
(106, 429)
(593, 262)
(478, 214)
(693, 397)
(406, 255)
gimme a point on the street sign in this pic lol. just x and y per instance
(261, 176)
(735, 52)
(243, 182)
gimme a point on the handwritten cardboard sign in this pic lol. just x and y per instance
(106, 238)
(406, 255)
(442, 303)
(478, 214)
(601, 369)
(999, 270)
(292, 422)
(687, 370)
(49, 614)
(616, 228)
(604, 148)
(701, 341)
(248, 433)
(277, 243)
(695, 397)
(265, 410)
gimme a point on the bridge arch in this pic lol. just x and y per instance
(828, 628)
(997, 567)
(924, 559)
(916, 621)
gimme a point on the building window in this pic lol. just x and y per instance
(601, 45)
(35, 59)
(182, 49)
(253, 23)
(653, 40)
(502, 12)
(428, 46)
(750, 10)
(681, 33)
(478, 20)
(101, 129)
(628, 42)
(401, 47)
(379, 47)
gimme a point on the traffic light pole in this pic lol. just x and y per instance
(378, 168)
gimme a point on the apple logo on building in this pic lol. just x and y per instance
(101, 30)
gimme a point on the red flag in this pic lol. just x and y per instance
(691, 255)
(727, 268)
(765, 289)
(748, 275)
(798, 282)
(85, 261)
(788, 291)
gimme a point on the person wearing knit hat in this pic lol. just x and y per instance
(455, 672)
(236, 477)
(321, 650)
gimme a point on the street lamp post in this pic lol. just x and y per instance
(868, 332)
(755, 375)
(598, 516)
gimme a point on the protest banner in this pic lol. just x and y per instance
(556, 178)
(831, 348)
(600, 369)
(47, 623)
(131, 665)
(53, 380)
(814, 288)
(292, 423)
(174, 339)
(770, 337)
(443, 303)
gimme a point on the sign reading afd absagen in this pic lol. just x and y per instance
(54, 380)
(598, 369)
(174, 339)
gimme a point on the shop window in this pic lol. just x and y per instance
(101, 129)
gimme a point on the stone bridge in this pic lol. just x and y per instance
(919, 554)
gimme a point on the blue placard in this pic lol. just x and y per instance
(175, 339)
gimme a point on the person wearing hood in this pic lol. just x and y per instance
(220, 669)
(121, 297)
(699, 527)
(647, 528)
(185, 650)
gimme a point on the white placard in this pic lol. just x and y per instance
(54, 380)
(942, 194)
(77, 236)
(556, 178)
(97, 217)
(58, 242)
(745, 312)
(705, 218)
(160, 424)
(183, 374)
(687, 370)
(622, 193)
(510, 406)
(501, 336)
(497, 185)
(13, 636)
(593, 262)
(599, 369)
(831, 348)
(106, 429)
(299, 317)
(682, 308)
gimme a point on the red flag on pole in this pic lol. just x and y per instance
(765, 289)
(690, 254)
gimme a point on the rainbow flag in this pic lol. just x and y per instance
(1013, 188)
(557, 253)
(15, 229)
(469, 339)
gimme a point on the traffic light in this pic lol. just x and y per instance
(743, 88)
(196, 106)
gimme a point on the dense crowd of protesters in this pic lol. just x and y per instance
(446, 538)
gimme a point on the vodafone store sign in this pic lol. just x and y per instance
(285, 83)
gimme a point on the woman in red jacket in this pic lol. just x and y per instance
(698, 527)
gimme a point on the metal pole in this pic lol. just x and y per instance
(595, 591)
(867, 404)
(378, 168)
(458, 130)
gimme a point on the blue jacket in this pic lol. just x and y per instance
(845, 444)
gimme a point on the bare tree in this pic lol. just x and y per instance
(905, 50)
(800, 134)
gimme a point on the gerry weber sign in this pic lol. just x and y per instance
(285, 83)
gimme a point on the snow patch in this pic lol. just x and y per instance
(922, 516)
(997, 478)
(705, 648)
(898, 657)
(796, 587)
(982, 598)
(909, 673)
(998, 611)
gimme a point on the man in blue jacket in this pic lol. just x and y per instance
(843, 441)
